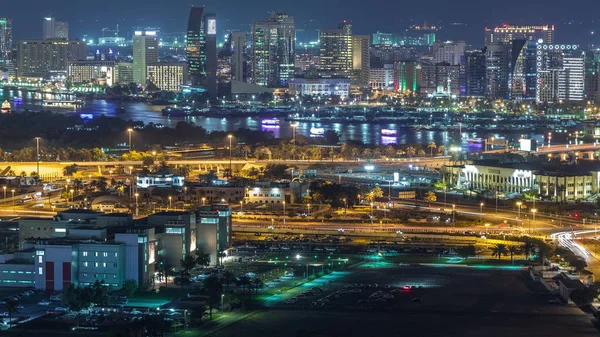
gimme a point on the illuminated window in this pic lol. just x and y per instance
(40, 271)
(84, 253)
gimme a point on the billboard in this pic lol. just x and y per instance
(527, 145)
(211, 28)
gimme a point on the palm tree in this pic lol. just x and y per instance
(411, 151)
(499, 250)
(258, 283)
(227, 277)
(512, 250)
(213, 288)
(527, 248)
(12, 307)
(431, 147)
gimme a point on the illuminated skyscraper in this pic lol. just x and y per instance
(361, 60)
(273, 50)
(202, 50)
(145, 52)
(560, 73)
(238, 47)
(451, 52)
(407, 76)
(336, 59)
(5, 40)
(48, 58)
(476, 80)
(508, 33)
(53, 29)
(496, 64)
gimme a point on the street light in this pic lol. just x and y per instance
(284, 212)
(136, 204)
(453, 214)
(519, 209)
(371, 213)
(130, 130)
(308, 209)
(230, 138)
(533, 211)
(170, 202)
(241, 205)
(294, 125)
(37, 146)
(72, 195)
(203, 200)
(4, 188)
(13, 197)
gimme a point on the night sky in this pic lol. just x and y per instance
(88, 17)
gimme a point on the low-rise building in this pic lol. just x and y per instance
(332, 86)
(167, 76)
(275, 193)
(160, 180)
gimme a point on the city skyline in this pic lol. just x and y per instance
(458, 22)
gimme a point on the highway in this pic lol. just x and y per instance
(566, 239)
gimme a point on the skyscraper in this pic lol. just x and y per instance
(451, 52)
(336, 57)
(361, 60)
(560, 73)
(196, 46)
(145, 52)
(53, 29)
(202, 50)
(273, 50)
(508, 33)
(238, 46)
(476, 80)
(407, 76)
(5, 40)
(496, 64)
(522, 70)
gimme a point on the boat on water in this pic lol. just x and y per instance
(63, 103)
(317, 132)
(388, 132)
(274, 122)
(176, 111)
(475, 141)
(6, 107)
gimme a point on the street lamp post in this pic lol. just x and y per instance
(533, 211)
(37, 158)
(72, 196)
(241, 206)
(371, 213)
(308, 209)
(284, 212)
(294, 125)
(519, 209)
(170, 202)
(13, 197)
(496, 193)
(130, 130)
(481, 210)
(4, 188)
(136, 204)
(230, 138)
(453, 215)
(203, 200)
(345, 206)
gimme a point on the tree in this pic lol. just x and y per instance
(583, 296)
(375, 193)
(230, 300)
(12, 307)
(527, 248)
(578, 263)
(227, 277)
(513, 250)
(430, 197)
(331, 137)
(188, 263)
(410, 151)
(441, 150)
(213, 288)
(431, 146)
(421, 153)
(466, 251)
(70, 170)
(202, 259)
(130, 287)
(499, 250)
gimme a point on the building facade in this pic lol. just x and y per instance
(238, 60)
(52, 29)
(273, 51)
(98, 72)
(320, 86)
(145, 52)
(497, 65)
(382, 78)
(336, 57)
(451, 52)
(167, 76)
(5, 40)
(361, 60)
(475, 73)
(442, 77)
(407, 76)
(48, 58)
(508, 33)
(560, 73)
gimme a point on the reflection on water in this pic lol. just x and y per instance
(365, 132)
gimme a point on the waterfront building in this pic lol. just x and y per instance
(5, 40)
(442, 77)
(336, 57)
(145, 52)
(497, 66)
(125, 72)
(273, 50)
(407, 76)
(168, 76)
(475, 73)
(361, 60)
(48, 58)
(325, 87)
(382, 78)
(239, 58)
(97, 72)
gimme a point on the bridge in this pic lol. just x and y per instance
(586, 151)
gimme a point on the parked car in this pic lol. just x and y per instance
(44, 302)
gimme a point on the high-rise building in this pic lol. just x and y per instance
(273, 50)
(451, 52)
(98, 72)
(361, 60)
(48, 58)
(145, 52)
(336, 59)
(5, 40)
(508, 33)
(382, 78)
(53, 29)
(238, 47)
(125, 72)
(560, 73)
(441, 77)
(407, 75)
(420, 35)
(384, 39)
(496, 64)
(522, 70)
(168, 76)
(210, 35)
(475, 74)
(202, 50)
(592, 76)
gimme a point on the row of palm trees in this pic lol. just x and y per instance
(527, 249)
